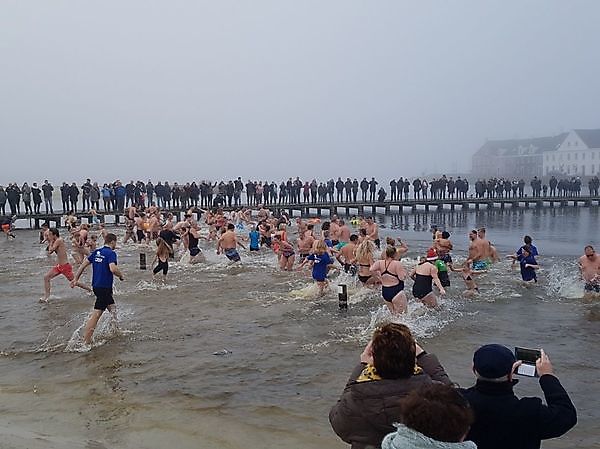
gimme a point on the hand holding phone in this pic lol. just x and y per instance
(529, 359)
(543, 365)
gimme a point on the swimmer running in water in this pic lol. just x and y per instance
(163, 252)
(528, 264)
(7, 226)
(57, 245)
(364, 259)
(589, 268)
(321, 262)
(193, 237)
(468, 277)
(478, 253)
(392, 275)
(287, 255)
(424, 275)
(228, 244)
(346, 256)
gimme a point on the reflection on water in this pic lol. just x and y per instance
(162, 375)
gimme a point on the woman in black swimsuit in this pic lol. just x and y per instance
(193, 236)
(392, 275)
(424, 275)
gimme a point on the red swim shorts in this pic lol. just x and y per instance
(66, 270)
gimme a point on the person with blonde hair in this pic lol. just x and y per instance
(364, 258)
(161, 258)
(321, 260)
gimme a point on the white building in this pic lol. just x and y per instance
(577, 155)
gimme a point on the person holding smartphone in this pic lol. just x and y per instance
(503, 420)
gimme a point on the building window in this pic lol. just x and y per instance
(553, 157)
(576, 156)
(583, 156)
(568, 169)
(593, 155)
(592, 172)
(569, 157)
(560, 157)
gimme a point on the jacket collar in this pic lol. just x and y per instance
(406, 438)
(495, 388)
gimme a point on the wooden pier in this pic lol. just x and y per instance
(351, 208)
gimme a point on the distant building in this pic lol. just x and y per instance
(577, 155)
(514, 158)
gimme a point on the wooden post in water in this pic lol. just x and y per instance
(343, 297)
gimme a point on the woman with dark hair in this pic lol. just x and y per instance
(433, 417)
(391, 366)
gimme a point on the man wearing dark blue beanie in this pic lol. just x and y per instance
(502, 420)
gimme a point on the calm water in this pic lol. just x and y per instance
(156, 381)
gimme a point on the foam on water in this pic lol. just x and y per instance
(563, 281)
(107, 329)
(154, 285)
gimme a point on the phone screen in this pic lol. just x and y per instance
(528, 357)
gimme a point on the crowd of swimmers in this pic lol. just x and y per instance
(116, 195)
(351, 246)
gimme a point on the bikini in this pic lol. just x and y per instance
(361, 277)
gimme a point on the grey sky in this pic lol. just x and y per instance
(185, 90)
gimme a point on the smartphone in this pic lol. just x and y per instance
(528, 357)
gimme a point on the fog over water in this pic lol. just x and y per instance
(196, 89)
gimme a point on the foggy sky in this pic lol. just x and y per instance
(184, 90)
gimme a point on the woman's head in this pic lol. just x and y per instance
(319, 247)
(437, 411)
(394, 351)
(390, 252)
(364, 250)
(390, 241)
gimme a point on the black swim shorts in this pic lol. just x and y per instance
(104, 298)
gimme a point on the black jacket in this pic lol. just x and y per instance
(502, 420)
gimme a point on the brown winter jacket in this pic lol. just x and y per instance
(366, 411)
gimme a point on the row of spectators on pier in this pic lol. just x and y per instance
(115, 196)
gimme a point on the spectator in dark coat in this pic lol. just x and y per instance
(502, 420)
